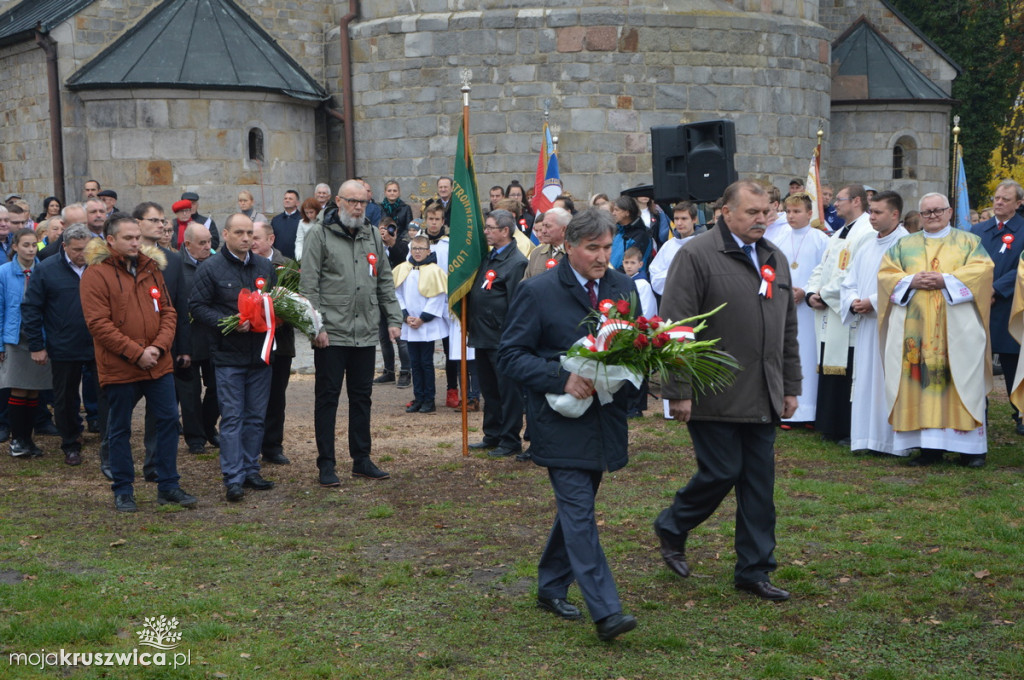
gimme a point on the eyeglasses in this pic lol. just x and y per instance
(933, 213)
(154, 220)
(494, 228)
(420, 249)
(354, 201)
(842, 198)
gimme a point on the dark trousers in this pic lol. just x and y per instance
(421, 360)
(273, 430)
(451, 368)
(68, 377)
(573, 551)
(199, 411)
(1009, 364)
(503, 403)
(387, 350)
(730, 455)
(242, 394)
(832, 414)
(91, 396)
(354, 365)
(160, 400)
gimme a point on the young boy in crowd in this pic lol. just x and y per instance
(422, 290)
(632, 263)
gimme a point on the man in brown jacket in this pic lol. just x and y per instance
(132, 321)
(733, 431)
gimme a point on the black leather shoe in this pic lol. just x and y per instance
(1019, 428)
(149, 476)
(367, 470)
(428, 407)
(414, 406)
(524, 457)
(276, 459)
(674, 555)
(234, 493)
(177, 497)
(328, 478)
(764, 590)
(214, 441)
(404, 380)
(93, 426)
(926, 458)
(559, 607)
(972, 461)
(125, 503)
(610, 627)
(72, 457)
(483, 444)
(196, 449)
(504, 452)
(385, 377)
(255, 481)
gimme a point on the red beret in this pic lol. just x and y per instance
(181, 205)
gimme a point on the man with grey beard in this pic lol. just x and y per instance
(347, 277)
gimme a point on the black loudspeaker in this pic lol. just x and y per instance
(693, 162)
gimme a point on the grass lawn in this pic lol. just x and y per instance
(896, 572)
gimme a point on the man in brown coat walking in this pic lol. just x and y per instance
(733, 431)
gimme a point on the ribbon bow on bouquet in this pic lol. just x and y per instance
(257, 308)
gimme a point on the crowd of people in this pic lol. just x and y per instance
(879, 337)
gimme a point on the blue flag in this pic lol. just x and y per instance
(963, 205)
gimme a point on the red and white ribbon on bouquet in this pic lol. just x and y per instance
(682, 334)
(1007, 242)
(268, 313)
(154, 293)
(767, 276)
(608, 330)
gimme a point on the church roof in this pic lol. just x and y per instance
(197, 45)
(21, 21)
(867, 67)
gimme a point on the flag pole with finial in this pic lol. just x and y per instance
(956, 169)
(467, 75)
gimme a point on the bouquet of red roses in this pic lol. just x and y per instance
(281, 305)
(629, 348)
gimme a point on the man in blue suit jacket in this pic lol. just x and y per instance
(1003, 238)
(545, 318)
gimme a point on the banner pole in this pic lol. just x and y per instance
(956, 165)
(463, 372)
(817, 180)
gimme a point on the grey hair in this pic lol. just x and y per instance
(561, 216)
(69, 206)
(1016, 187)
(945, 199)
(77, 231)
(503, 218)
(322, 185)
(588, 225)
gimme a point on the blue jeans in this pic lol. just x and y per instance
(421, 360)
(242, 393)
(121, 401)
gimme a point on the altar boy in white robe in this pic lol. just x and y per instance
(422, 290)
(804, 247)
(869, 421)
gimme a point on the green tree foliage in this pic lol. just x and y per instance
(984, 37)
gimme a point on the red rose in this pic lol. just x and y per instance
(640, 342)
(654, 321)
(622, 306)
(641, 323)
(605, 306)
(661, 339)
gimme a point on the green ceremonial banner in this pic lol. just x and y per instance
(467, 246)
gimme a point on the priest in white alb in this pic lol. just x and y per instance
(934, 299)
(869, 420)
(803, 246)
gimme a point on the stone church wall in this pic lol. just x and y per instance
(26, 167)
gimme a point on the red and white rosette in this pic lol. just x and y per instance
(489, 278)
(522, 223)
(767, 276)
(608, 330)
(1007, 242)
(372, 259)
(552, 262)
(154, 293)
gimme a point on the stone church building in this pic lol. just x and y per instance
(153, 98)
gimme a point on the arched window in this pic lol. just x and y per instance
(256, 144)
(904, 158)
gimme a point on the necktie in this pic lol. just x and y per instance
(1000, 226)
(592, 292)
(749, 250)
(494, 254)
(28, 273)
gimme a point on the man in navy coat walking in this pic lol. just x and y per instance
(545, 318)
(1003, 238)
